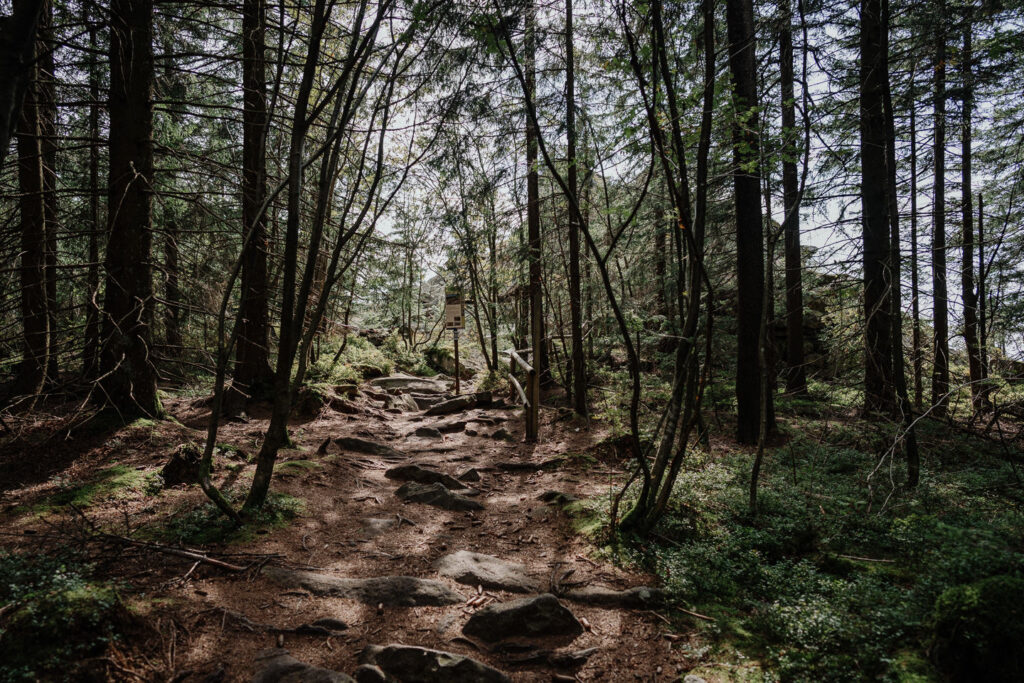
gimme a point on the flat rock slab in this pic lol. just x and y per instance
(396, 591)
(375, 526)
(408, 663)
(536, 617)
(437, 495)
(477, 569)
(451, 426)
(454, 405)
(409, 383)
(277, 666)
(640, 597)
(423, 476)
(353, 443)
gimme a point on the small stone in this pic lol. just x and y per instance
(352, 443)
(368, 673)
(454, 405)
(423, 476)
(470, 475)
(429, 432)
(502, 434)
(280, 667)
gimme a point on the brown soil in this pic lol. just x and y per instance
(189, 612)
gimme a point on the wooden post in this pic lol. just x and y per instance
(533, 394)
(457, 371)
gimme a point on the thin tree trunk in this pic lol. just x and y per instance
(91, 355)
(130, 378)
(47, 104)
(579, 361)
(172, 291)
(982, 290)
(539, 357)
(915, 291)
(940, 370)
(967, 234)
(749, 224)
(796, 379)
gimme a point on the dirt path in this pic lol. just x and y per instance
(354, 526)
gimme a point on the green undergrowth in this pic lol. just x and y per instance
(56, 615)
(204, 524)
(838, 578)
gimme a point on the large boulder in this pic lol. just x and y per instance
(477, 569)
(437, 495)
(408, 383)
(277, 666)
(423, 476)
(398, 591)
(536, 617)
(409, 664)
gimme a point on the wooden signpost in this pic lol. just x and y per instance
(455, 320)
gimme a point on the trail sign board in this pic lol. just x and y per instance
(454, 309)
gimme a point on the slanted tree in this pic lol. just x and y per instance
(128, 374)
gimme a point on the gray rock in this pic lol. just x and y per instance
(424, 401)
(470, 475)
(352, 443)
(277, 666)
(423, 476)
(557, 497)
(403, 402)
(453, 405)
(477, 569)
(502, 434)
(694, 678)
(429, 432)
(409, 383)
(437, 495)
(539, 616)
(368, 673)
(640, 597)
(451, 426)
(397, 591)
(410, 664)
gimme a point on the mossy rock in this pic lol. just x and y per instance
(978, 630)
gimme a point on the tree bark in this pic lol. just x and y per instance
(91, 353)
(749, 231)
(796, 379)
(940, 370)
(967, 234)
(915, 290)
(878, 272)
(129, 376)
(579, 361)
(35, 317)
(539, 359)
(253, 377)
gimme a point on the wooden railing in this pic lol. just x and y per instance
(529, 396)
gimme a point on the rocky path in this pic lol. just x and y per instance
(434, 547)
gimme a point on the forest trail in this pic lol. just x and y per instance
(354, 526)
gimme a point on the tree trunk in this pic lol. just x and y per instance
(982, 290)
(749, 231)
(878, 272)
(940, 371)
(17, 50)
(47, 104)
(915, 290)
(537, 341)
(31, 185)
(91, 354)
(172, 291)
(130, 378)
(253, 377)
(796, 380)
(967, 235)
(579, 361)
